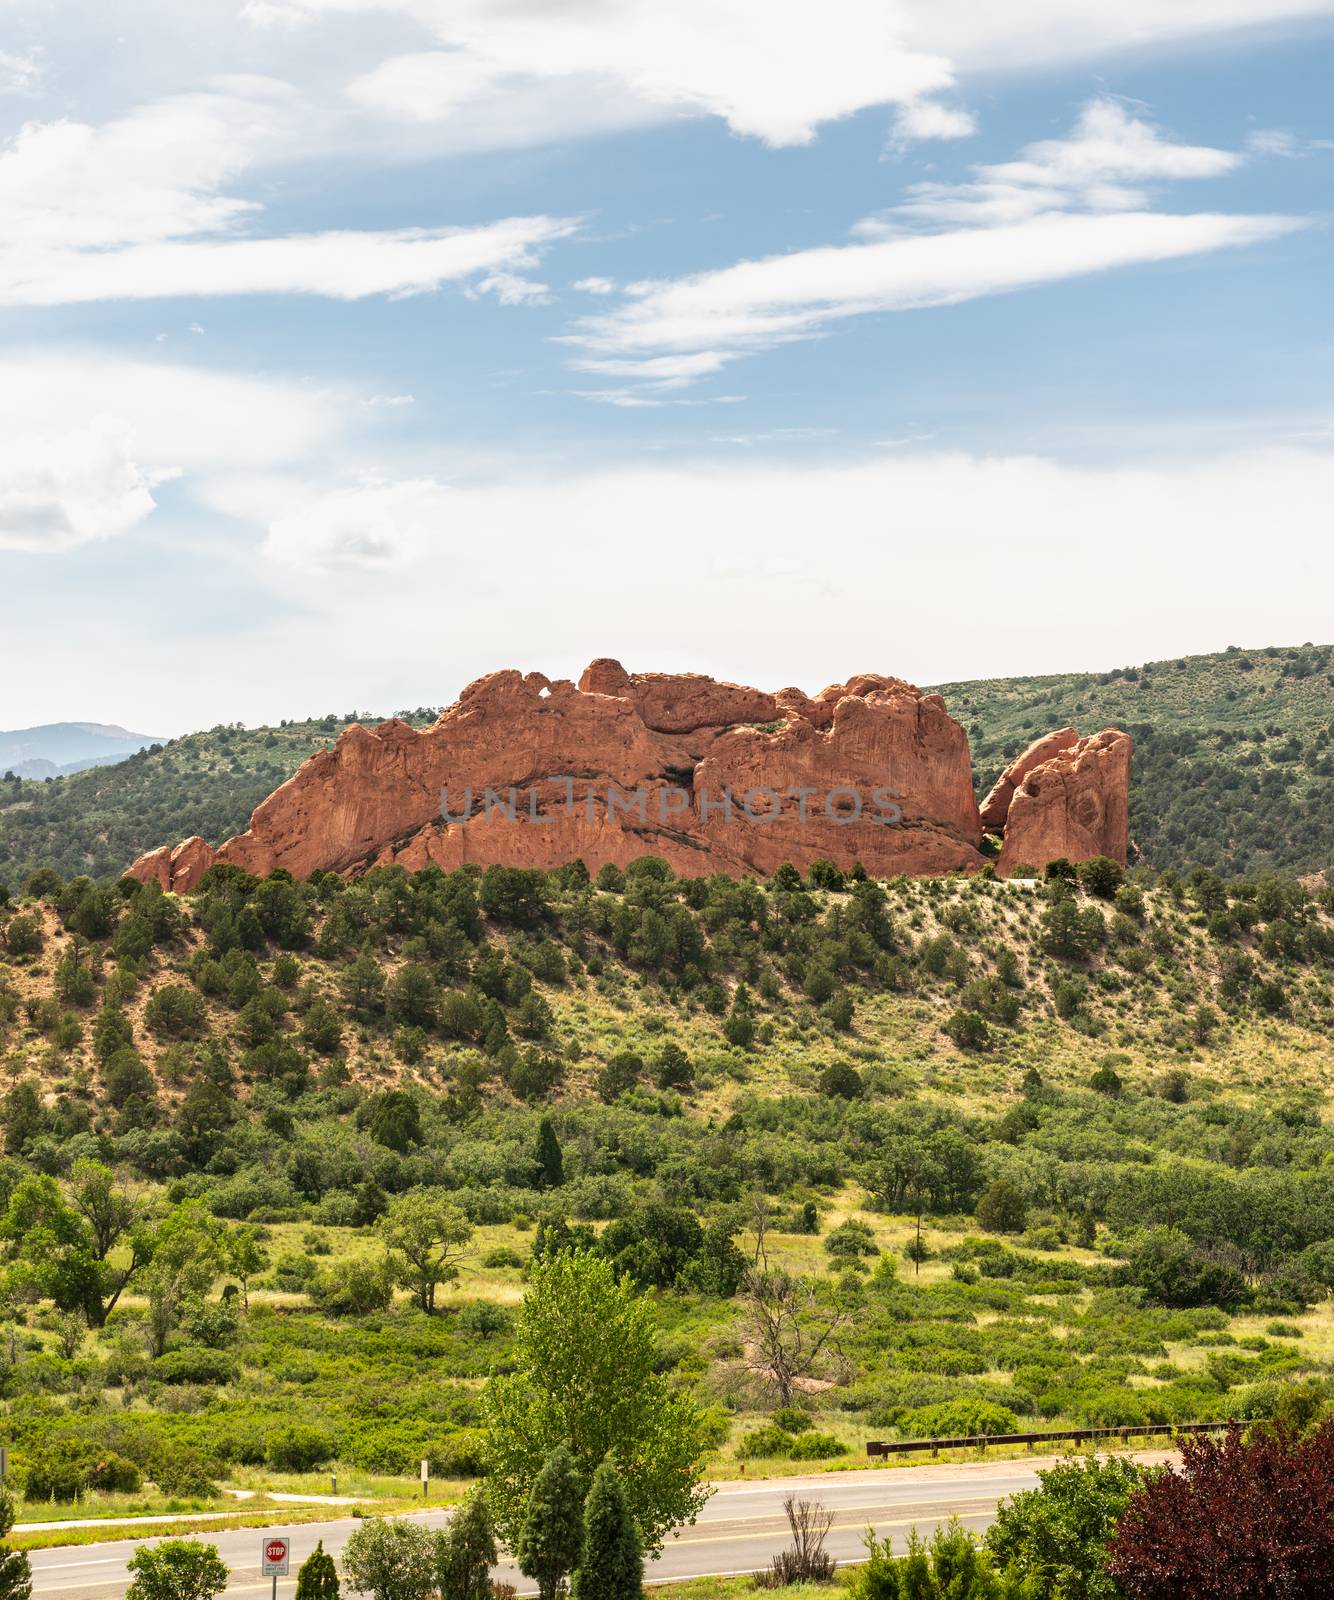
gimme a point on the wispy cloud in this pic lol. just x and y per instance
(1065, 208)
(136, 209)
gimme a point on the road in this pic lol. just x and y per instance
(739, 1529)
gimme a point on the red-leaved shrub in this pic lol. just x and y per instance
(1241, 1519)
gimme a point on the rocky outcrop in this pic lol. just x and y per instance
(528, 771)
(1074, 804)
(996, 806)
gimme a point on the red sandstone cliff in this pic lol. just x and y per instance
(1075, 804)
(712, 776)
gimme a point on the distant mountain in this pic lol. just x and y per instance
(56, 749)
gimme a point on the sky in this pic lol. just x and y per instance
(351, 349)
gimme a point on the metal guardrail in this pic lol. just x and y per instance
(980, 1441)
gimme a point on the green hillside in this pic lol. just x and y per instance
(1055, 1154)
(1234, 767)
(97, 822)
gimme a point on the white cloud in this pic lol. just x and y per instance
(931, 119)
(179, 416)
(1065, 208)
(58, 490)
(1024, 33)
(19, 74)
(1102, 166)
(776, 71)
(392, 402)
(753, 592)
(134, 210)
(717, 316)
(370, 528)
(511, 289)
(595, 285)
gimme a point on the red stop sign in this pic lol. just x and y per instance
(275, 1550)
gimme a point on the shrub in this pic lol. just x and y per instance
(767, 1442)
(950, 1419)
(177, 1569)
(792, 1420)
(850, 1240)
(969, 1030)
(841, 1081)
(354, 1289)
(1001, 1208)
(816, 1447)
(196, 1364)
(175, 1011)
(1240, 1519)
(299, 1448)
(391, 1560)
(1055, 1536)
(65, 1468)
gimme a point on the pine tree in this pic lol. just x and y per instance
(317, 1577)
(612, 1566)
(465, 1553)
(15, 1571)
(552, 1534)
(549, 1157)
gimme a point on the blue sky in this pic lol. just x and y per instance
(353, 348)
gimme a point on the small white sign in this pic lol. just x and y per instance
(426, 1470)
(273, 1557)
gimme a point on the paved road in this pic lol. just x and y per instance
(738, 1530)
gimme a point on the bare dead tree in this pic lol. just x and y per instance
(760, 1221)
(789, 1327)
(806, 1561)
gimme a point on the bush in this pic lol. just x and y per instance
(1001, 1208)
(354, 1289)
(175, 1011)
(299, 1448)
(177, 1569)
(65, 1468)
(1240, 1519)
(841, 1081)
(1056, 1535)
(767, 1442)
(196, 1364)
(816, 1447)
(964, 1417)
(850, 1240)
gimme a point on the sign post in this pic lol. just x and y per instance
(426, 1475)
(273, 1559)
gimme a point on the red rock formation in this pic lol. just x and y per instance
(996, 806)
(1075, 804)
(526, 771)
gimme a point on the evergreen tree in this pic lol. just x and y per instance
(549, 1157)
(612, 1565)
(550, 1540)
(465, 1553)
(15, 1571)
(317, 1577)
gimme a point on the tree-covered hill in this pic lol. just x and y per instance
(1234, 752)
(208, 783)
(1234, 767)
(1057, 1152)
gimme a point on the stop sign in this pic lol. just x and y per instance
(273, 1558)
